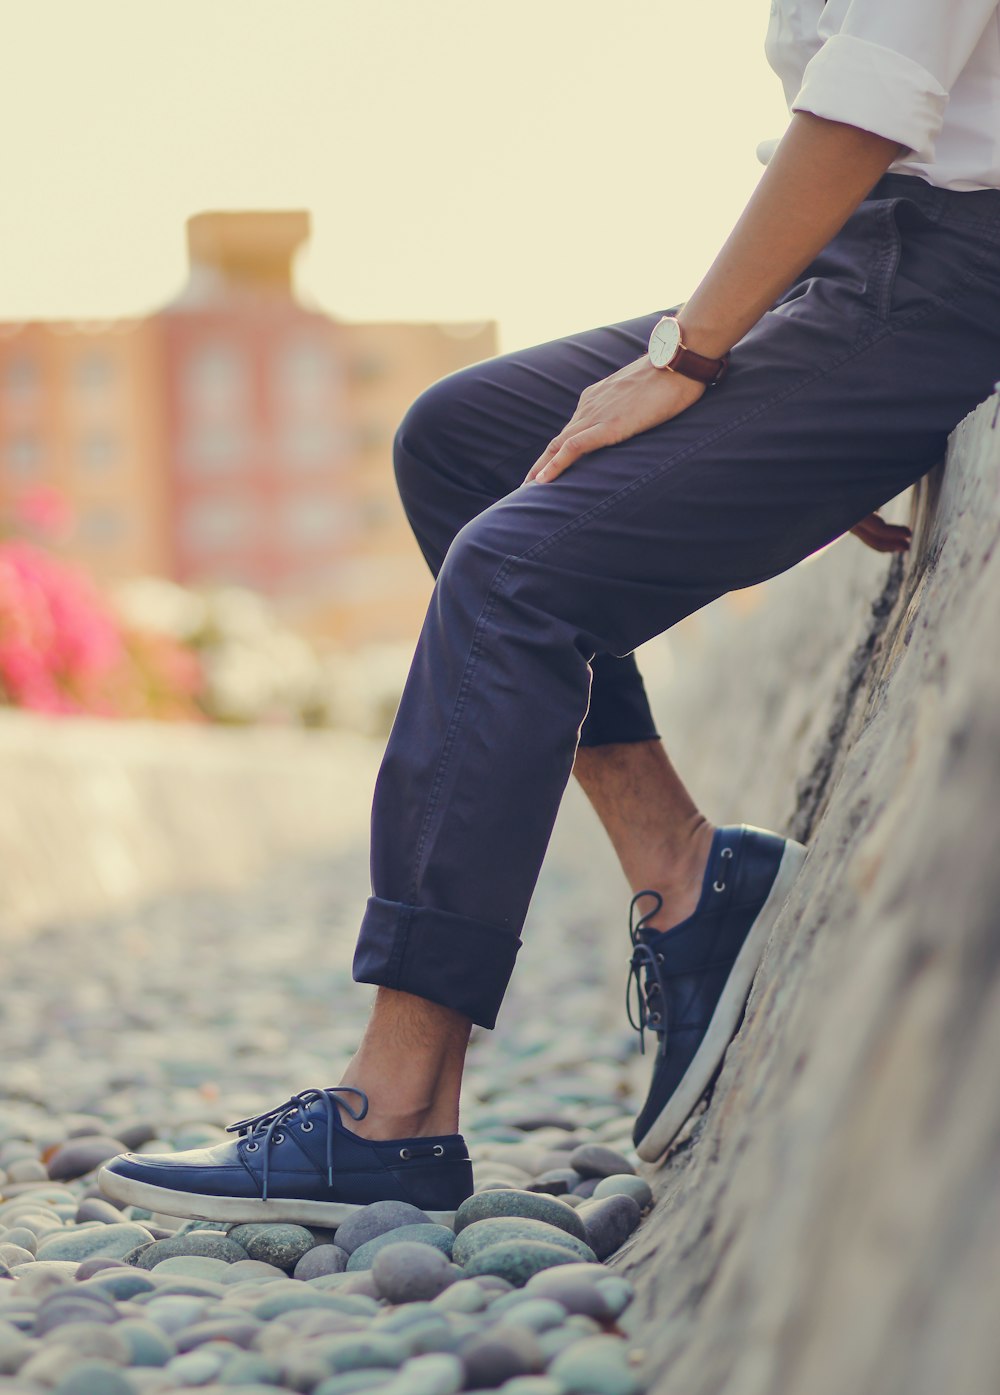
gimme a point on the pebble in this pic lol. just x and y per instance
(22, 1236)
(110, 1241)
(321, 1259)
(609, 1221)
(95, 1378)
(597, 1160)
(595, 1366)
(369, 1222)
(441, 1237)
(500, 1354)
(621, 1184)
(80, 1155)
(280, 1245)
(481, 1234)
(556, 1182)
(92, 1208)
(148, 1344)
(529, 1205)
(518, 1260)
(407, 1272)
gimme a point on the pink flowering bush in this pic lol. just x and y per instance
(62, 648)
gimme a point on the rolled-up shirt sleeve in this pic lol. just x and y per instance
(888, 66)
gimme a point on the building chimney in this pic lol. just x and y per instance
(246, 250)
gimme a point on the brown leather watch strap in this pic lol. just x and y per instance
(697, 366)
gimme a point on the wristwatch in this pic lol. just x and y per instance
(668, 350)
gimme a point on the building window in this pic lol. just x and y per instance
(307, 445)
(98, 451)
(102, 526)
(94, 372)
(215, 378)
(217, 523)
(310, 520)
(23, 456)
(304, 374)
(215, 447)
(20, 379)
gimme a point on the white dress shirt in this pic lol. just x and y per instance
(925, 73)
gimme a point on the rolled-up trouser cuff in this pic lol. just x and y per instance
(449, 959)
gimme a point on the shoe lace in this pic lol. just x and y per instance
(268, 1124)
(645, 963)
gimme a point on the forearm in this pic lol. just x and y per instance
(814, 181)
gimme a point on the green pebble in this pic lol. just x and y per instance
(85, 1242)
(482, 1234)
(280, 1245)
(595, 1366)
(528, 1205)
(517, 1260)
(537, 1313)
(624, 1184)
(148, 1343)
(442, 1237)
(352, 1381)
(95, 1378)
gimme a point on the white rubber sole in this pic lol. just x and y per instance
(194, 1207)
(696, 1078)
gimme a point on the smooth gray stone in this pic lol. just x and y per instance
(518, 1260)
(197, 1367)
(441, 1237)
(408, 1272)
(239, 1331)
(95, 1378)
(98, 1264)
(57, 1270)
(529, 1205)
(595, 1366)
(463, 1296)
(273, 1305)
(609, 1221)
(481, 1234)
(623, 1184)
(524, 1311)
(243, 1269)
(119, 1284)
(597, 1160)
(587, 1289)
(532, 1385)
(14, 1254)
(135, 1132)
(440, 1373)
(73, 1305)
(557, 1181)
(16, 1348)
(80, 1155)
(148, 1345)
(93, 1209)
(99, 1340)
(528, 1123)
(193, 1267)
(21, 1235)
(204, 1244)
(112, 1241)
(361, 1351)
(352, 1381)
(499, 1355)
(371, 1221)
(587, 1188)
(280, 1245)
(320, 1260)
(249, 1369)
(173, 1311)
(187, 1286)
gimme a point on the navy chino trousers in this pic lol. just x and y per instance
(841, 396)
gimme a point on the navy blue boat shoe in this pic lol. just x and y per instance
(693, 980)
(297, 1162)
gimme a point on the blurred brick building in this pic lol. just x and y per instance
(235, 435)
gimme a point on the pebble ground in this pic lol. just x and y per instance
(154, 1029)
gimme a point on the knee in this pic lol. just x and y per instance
(424, 438)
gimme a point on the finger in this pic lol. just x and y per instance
(551, 449)
(591, 438)
(877, 533)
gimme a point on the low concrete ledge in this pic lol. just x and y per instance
(831, 1223)
(97, 815)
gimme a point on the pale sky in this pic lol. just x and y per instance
(550, 164)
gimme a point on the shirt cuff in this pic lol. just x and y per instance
(875, 88)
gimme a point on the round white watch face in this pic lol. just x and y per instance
(664, 341)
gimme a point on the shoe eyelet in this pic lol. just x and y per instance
(308, 1126)
(659, 959)
(438, 1150)
(278, 1138)
(654, 1017)
(727, 852)
(404, 1153)
(718, 886)
(252, 1147)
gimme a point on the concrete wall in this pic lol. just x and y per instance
(831, 1223)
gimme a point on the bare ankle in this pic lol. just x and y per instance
(679, 876)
